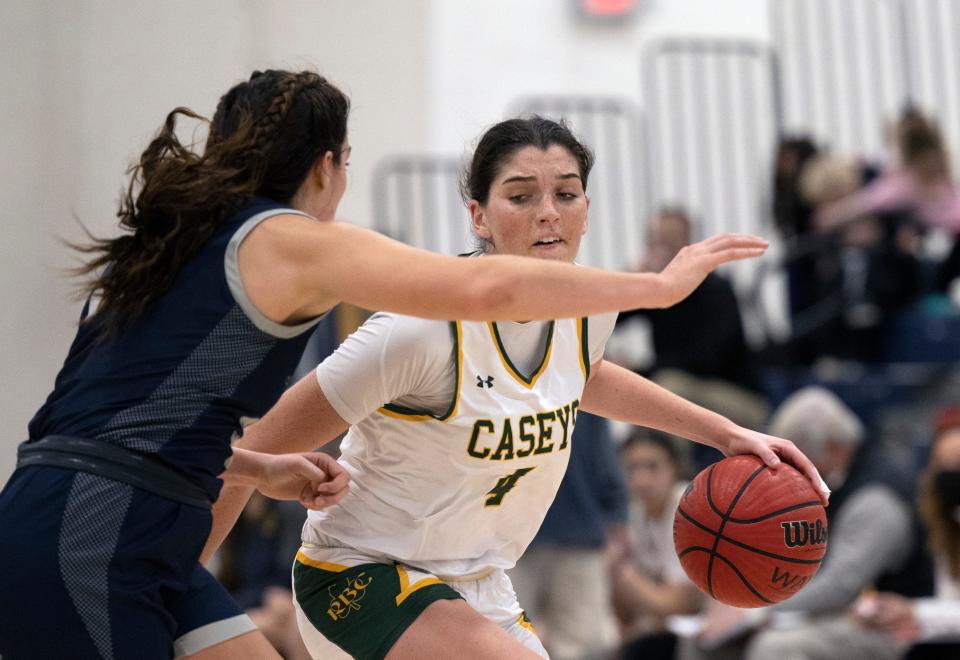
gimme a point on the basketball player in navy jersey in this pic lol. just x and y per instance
(198, 314)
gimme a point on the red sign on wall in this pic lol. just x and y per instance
(608, 8)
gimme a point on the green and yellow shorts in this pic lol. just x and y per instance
(360, 606)
(352, 604)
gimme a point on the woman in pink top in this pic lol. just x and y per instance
(920, 181)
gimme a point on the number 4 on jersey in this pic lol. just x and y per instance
(504, 485)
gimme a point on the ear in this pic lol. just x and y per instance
(478, 220)
(322, 170)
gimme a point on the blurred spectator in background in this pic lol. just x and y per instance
(562, 581)
(932, 624)
(254, 565)
(918, 182)
(791, 210)
(859, 270)
(875, 542)
(649, 583)
(793, 217)
(700, 350)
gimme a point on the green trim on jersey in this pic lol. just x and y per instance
(529, 382)
(413, 415)
(584, 347)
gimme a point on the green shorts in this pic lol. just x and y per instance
(364, 608)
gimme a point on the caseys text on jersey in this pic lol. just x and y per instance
(539, 433)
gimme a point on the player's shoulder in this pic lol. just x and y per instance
(602, 323)
(407, 332)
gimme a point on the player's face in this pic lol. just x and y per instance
(537, 206)
(651, 474)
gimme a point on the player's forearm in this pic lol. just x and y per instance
(523, 288)
(617, 393)
(226, 511)
(246, 468)
(302, 420)
(377, 273)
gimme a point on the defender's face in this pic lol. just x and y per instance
(537, 206)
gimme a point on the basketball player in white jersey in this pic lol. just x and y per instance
(459, 434)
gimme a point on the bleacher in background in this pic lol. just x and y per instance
(842, 70)
(417, 200)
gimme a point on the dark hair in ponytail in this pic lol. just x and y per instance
(265, 136)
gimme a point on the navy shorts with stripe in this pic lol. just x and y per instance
(94, 568)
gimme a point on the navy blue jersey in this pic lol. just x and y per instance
(183, 378)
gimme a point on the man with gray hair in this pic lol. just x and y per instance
(874, 542)
(817, 420)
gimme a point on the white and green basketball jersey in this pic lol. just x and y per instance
(465, 491)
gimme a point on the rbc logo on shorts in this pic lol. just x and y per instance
(346, 601)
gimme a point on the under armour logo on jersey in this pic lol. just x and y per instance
(484, 382)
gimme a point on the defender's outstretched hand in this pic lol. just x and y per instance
(694, 262)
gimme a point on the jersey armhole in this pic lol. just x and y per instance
(411, 415)
(231, 268)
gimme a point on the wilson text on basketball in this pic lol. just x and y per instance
(801, 532)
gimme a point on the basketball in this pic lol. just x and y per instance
(747, 535)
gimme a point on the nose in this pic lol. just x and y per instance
(547, 211)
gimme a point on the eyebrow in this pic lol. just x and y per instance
(523, 179)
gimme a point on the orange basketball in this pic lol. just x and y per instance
(747, 535)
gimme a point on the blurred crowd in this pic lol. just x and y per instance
(871, 254)
(861, 236)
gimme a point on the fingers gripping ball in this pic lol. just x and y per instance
(747, 535)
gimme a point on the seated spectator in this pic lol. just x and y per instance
(791, 210)
(931, 624)
(861, 269)
(919, 180)
(874, 543)
(562, 580)
(649, 583)
(700, 350)
(918, 184)
(793, 216)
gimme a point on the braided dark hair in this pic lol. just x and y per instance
(266, 134)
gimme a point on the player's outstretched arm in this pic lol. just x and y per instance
(301, 421)
(294, 268)
(618, 393)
